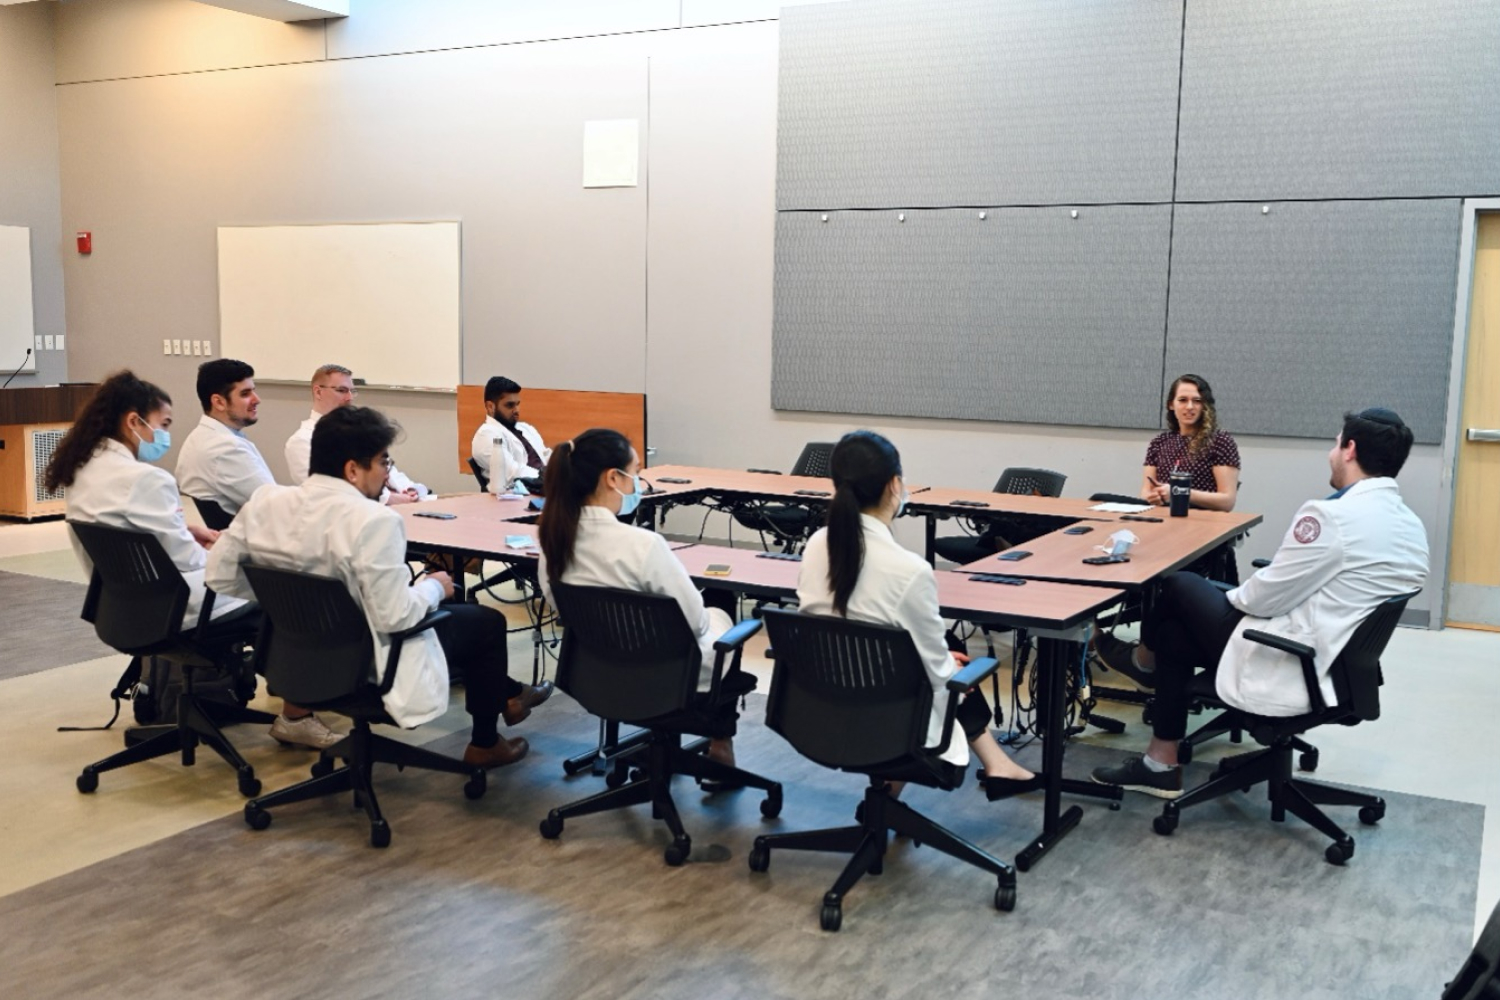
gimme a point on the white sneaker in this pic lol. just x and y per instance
(308, 731)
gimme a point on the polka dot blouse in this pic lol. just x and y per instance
(1169, 451)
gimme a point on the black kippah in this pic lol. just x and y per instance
(1381, 415)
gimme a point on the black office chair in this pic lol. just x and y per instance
(315, 649)
(1356, 679)
(789, 525)
(632, 658)
(135, 601)
(215, 518)
(1479, 977)
(986, 538)
(479, 476)
(855, 697)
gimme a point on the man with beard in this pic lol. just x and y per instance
(218, 462)
(506, 448)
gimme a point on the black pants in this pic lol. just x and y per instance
(474, 641)
(1188, 627)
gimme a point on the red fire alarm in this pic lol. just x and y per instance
(85, 242)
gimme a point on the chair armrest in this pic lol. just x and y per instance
(968, 677)
(398, 639)
(205, 617)
(738, 635)
(1304, 654)
(1260, 563)
(1223, 587)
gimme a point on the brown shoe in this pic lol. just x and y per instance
(519, 707)
(502, 753)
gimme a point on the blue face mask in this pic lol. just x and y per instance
(630, 501)
(905, 496)
(159, 445)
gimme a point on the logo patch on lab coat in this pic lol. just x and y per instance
(1307, 530)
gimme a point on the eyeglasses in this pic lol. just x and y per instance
(342, 390)
(388, 463)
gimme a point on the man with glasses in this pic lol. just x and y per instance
(333, 387)
(333, 525)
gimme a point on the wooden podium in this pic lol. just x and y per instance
(32, 422)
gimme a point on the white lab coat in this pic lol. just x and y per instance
(116, 489)
(1339, 560)
(327, 527)
(607, 553)
(502, 457)
(220, 464)
(298, 453)
(896, 587)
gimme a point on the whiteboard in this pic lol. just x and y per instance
(380, 299)
(16, 322)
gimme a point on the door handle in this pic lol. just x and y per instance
(1482, 434)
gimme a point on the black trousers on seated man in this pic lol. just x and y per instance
(1189, 625)
(474, 641)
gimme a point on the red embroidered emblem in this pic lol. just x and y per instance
(1307, 530)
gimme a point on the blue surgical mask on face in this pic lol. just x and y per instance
(159, 445)
(905, 497)
(630, 501)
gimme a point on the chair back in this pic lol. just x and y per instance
(315, 645)
(815, 460)
(136, 596)
(479, 476)
(625, 655)
(1356, 672)
(1031, 482)
(215, 518)
(849, 695)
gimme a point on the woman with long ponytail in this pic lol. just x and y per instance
(854, 568)
(104, 462)
(589, 483)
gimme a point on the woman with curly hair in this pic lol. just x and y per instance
(1194, 444)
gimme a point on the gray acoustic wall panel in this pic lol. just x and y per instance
(1297, 315)
(1029, 315)
(1340, 99)
(939, 103)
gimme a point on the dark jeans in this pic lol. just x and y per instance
(1188, 627)
(474, 641)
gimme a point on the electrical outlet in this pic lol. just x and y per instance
(166, 347)
(60, 342)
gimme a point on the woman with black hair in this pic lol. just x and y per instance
(590, 482)
(855, 568)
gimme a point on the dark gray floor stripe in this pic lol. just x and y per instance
(470, 902)
(39, 625)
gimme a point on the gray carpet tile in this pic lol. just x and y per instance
(469, 901)
(40, 628)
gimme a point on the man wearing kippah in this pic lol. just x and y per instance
(1341, 557)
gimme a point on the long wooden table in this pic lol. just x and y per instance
(1059, 614)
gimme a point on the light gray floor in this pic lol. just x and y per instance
(470, 901)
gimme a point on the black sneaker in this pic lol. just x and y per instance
(1137, 777)
(1118, 656)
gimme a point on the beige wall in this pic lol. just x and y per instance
(666, 287)
(29, 192)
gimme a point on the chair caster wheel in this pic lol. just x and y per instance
(1339, 852)
(572, 767)
(1114, 805)
(249, 784)
(1370, 815)
(1166, 822)
(88, 781)
(256, 818)
(1185, 752)
(1308, 760)
(677, 852)
(322, 767)
(1005, 898)
(770, 806)
(616, 777)
(552, 826)
(475, 786)
(760, 858)
(380, 834)
(832, 917)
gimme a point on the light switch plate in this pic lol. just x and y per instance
(49, 342)
(38, 348)
(166, 347)
(208, 348)
(197, 347)
(60, 342)
(176, 346)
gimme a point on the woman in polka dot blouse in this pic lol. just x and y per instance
(1193, 443)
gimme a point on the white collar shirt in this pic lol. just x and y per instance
(607, 553)
(219, 463)
(298, 452)
(327, 527)
(116, 489)
(501, 456)
(1339, 559)
(896, 587)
